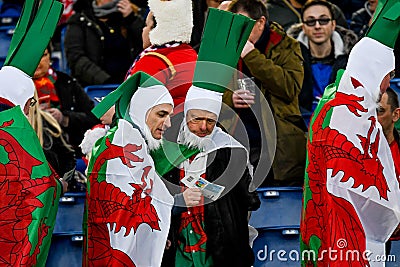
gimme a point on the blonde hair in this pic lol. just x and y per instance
(36, 117)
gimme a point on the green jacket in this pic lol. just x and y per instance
(279, 70)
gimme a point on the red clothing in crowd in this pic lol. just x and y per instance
(173, 64)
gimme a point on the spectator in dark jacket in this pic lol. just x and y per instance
(102, 39)
(325, 48)
(65, 100)
(361, 18)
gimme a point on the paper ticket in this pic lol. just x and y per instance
(208, 189)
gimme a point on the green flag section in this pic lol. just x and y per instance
(385, 26)
(29, 194)
(170, 155)
(221, 45)
(33, 33)
(329, 94)
(122, 96)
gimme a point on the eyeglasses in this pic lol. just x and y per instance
(32, 102)
(312, 22)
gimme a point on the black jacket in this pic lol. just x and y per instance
(86, 44)
(77, 105)
(225, 220)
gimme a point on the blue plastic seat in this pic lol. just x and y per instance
(65, 251)
(9, 13)
(6, 33)
(277, 247)
(280, 207)
(395, 85)
(64, 63)
(70, 214)
(97, 92)
(66, 244)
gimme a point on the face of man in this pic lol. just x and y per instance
(146, 30)
(258, 27)
(158, 119)
(386, 116)
(317, 33)
(43, 66)
(201, 122)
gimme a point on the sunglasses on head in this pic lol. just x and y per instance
(312, 22)
(32, 102)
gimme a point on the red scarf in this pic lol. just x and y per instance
(46, 90)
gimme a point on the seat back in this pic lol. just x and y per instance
(6, 33)
(97, 92)
(395, 85)
(280, 207)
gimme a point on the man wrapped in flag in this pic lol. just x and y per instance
(129, 207)
(29, 188)
(215, 231)
(351, 195)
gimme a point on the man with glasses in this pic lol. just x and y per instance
(325, 51)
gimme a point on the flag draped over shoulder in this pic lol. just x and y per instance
(29, 193)
(129, 207)
(351, 196)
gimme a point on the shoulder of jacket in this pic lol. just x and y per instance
(349, 38)
(80, 17)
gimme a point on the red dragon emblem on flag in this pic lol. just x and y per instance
(327, 216)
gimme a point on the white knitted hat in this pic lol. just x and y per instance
(174, 21)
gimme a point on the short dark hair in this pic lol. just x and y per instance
(311, 3)
(393, 99)
(255, 8)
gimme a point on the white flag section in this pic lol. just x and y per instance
(137, 227)
(369, 184)
(374, 195)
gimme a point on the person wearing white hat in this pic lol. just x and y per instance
(170, 58)
(351, 194)
(30, 187)
(129, 207)
(215, 231)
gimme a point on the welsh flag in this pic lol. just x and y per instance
(351, 197)
(29, 193)
(129, 207)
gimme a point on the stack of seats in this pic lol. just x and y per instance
(278, 224)
(67, 240)
(6, 33)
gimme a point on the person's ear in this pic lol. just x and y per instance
(262, 21)
(333, 24)
(396, 115)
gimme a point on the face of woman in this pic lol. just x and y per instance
(146, 30)
(43, 66)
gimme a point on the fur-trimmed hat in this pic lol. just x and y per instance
(174, 21)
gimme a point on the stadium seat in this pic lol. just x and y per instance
(65, 251)
(66, 244)
(395, 85)
(393, 259)
(6, 33)
(96, 92)
(277, 247)
(64, 64)
(9, 13)
(280, 207)
(70, 214)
